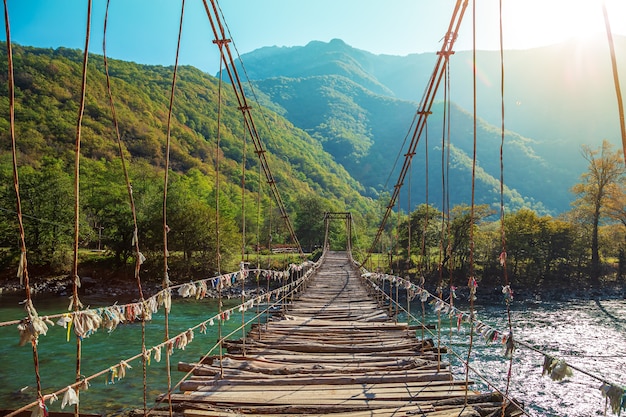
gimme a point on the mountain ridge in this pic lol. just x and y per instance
(401, 75)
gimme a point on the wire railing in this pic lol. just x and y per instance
(91, 320)
(553, 367)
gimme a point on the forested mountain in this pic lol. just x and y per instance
(360, 106)
(47, 100)
(334, 122)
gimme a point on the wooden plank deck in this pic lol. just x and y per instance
(334, 352)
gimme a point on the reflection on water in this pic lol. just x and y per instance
(588, 334)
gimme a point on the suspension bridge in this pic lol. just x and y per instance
(334, 349)
(330, 341)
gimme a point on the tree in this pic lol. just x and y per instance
(616, 208)
(458, 232)
(309, 222)
(425, 234)
(47, 207)
(605, 170)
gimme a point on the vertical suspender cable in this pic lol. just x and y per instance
(408, 204)
(618, 90)
(506, 288)
(220, 43)
(472, 281)
(243, 242)
(138, 255)
(258, 248)
(166, 280)
(424, 258)
(447, 197)
(258, 219)
(243, 198)
(444, 212)
(397, 272)
(75, 278)
(23, 265)
(269, 236)
(408, 250)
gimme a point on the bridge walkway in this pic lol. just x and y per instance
(334, 351)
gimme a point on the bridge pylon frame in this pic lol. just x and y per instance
(341, 215)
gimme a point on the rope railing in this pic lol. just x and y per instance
(183, 288)
(180, 340)
(553, 367)
(291, 289)
(449, 349)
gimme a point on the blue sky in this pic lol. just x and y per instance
(145, 31)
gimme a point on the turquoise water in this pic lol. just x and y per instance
(101, 350)
(588, 334)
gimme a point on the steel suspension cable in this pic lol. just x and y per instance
(22, 271)
(472, 280)
(424, 110)
(166, 280)
(75, 279)
(138, 255)
(229, 65)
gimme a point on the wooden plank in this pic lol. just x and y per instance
(234, 385)
(395, 412)
(341, 379)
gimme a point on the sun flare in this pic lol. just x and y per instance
(552, 21)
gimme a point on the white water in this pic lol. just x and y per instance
(591, 335)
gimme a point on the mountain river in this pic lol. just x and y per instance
(590, 335)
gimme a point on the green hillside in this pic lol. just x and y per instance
(47, 99)
(556, 99)
(365, 132)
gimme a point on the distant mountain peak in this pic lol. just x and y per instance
(317, 58)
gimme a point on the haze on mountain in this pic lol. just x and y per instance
(360, 106)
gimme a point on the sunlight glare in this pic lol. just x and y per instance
(553, 21)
